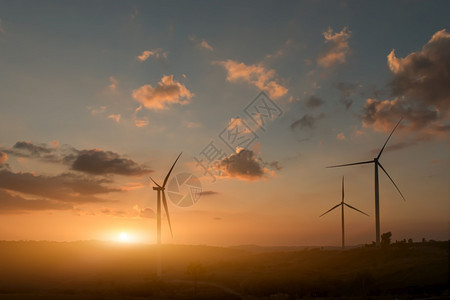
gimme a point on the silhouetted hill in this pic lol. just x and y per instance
(262, 249)
(102, 270)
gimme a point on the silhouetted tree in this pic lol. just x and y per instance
(386, 239)
(410, 241)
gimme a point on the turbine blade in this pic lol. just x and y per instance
(342, 188)
(330, 209)
(392, 181)
(352, 164)
(382, 149)
(170, 171)
(356, 209)
(155, 182)
(166, 208)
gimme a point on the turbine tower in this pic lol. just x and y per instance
(376, 162)
(161, 190)
(342, 204)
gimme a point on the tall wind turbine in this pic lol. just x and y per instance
(342, 204)
(161, 190)
(376, 162)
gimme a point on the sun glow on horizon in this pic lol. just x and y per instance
(125, 238)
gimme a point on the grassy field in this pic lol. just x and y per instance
(101, 270)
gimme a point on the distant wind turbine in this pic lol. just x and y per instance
(377, 164)
(342, 204)
(161, 190)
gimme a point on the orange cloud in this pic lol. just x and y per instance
(257, 75)
(96, 111)
(337, 50)
(204, 44)
(55, 144)
(3, 158)
(114, 117)
(141, 122)
(132, 186)
(193, 125)
(168, 91)
(114, 83)
(158, 53)
(280, 52)
(340, 136)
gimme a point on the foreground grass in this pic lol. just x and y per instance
(97, 270)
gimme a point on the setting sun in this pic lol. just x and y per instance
(125, 238)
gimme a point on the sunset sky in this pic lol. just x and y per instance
(96, 96)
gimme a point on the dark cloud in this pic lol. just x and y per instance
(16, 204)
(32, 150)
(96, 162)
(347, 90)
(65, 187)
(243, 165)
(307, 121)
(313, 102)
(421, 89)
(383, 115)
(208, 193)
(424, 76)
(99, 162)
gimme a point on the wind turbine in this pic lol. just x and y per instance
(342, 204)
(376, 162)
(161, 190)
